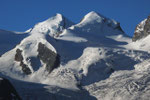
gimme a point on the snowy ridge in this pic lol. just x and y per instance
(142, 30)
(52, 26)
(93, 17)
(97, 61)
(95, 23)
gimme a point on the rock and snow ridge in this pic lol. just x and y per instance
(141, 37)
(142, 29)
(91, 60)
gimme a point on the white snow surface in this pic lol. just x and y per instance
(98, 62)
(52, 26)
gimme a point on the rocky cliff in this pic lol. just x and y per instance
(50, 58)
(19, 58)
(142, 30)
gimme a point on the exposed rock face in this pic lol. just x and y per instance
(7, 91)
(50, 58)
(19, 58)
(147, 26)
(142, 30)
(25, 68)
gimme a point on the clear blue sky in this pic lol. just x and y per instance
(20, 15)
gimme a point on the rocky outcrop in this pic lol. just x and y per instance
(19, 58)
(7, 91)
(47, 56)
(147, 26)
(50, 58)
(25, 68)
(142, 30)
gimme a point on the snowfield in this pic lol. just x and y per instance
(98, 61)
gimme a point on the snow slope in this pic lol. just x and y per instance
(97, 61)
(52, 26)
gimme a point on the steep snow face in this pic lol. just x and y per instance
(52, 26)
(92, 17)
(142, 44)
(97, 24)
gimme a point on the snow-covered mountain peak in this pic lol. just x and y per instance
(97, 24)
(52, 26)
(58, 18)
(91, 17)
(94, 17)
